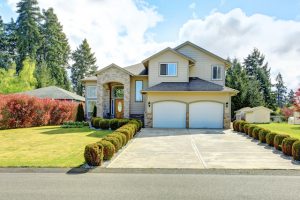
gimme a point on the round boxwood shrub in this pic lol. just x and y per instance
(246, 128)
(114, 124)
(241, 126)
(124, 138)
(122, 122)
(136, 122)
(104, 124)
(108, 149)
(270, 139)
(93, 155)
(250, 129)
(296, 150)
(278, 141)
(262, 135)
(114, 141)
(234, 125)
(119, 137)
(96, 122)
(255, 132)
(125, 132)
(287, 145)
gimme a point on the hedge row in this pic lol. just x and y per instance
(76, 124)
(94, 154)
(20, 111)
(289, 146)
(113, 124)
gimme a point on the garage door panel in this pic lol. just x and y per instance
(206, 115)
(169, 114)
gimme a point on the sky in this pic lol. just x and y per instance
(125, 32)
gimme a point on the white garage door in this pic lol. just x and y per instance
(206, 115)
(169, 114)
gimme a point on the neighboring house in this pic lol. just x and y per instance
(183, 87)
(295, 119)
(258, 114)
(53, 92)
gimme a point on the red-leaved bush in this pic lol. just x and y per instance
(287, 112)
(18, 111)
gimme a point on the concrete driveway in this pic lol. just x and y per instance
(195, 148)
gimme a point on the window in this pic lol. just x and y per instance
(216, 72)
(118, 92)
(90, 107)
(91, 92)
(138, 89)
(168, 69)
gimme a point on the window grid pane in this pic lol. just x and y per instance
(138, 89)
(91, 92)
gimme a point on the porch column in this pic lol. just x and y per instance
(127, 97)
(100, 99)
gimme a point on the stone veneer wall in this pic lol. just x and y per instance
(112, 74)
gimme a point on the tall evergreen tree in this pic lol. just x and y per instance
(290, 98)
(249, 95)
(55, 50)
(256, 68)
(11, 40)
(84, 65)
(2, 45)
(280, 91)
(28, 32)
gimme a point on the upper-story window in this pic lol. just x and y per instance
(91, 92)
(138, 89)
(216, 72)
(168, 69)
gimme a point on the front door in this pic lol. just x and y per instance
(119, 108)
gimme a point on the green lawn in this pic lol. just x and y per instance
(49, 146)
(284, 128)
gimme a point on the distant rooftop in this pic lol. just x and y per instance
(53, 92)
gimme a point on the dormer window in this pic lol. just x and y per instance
(216, 73)
(168, 69)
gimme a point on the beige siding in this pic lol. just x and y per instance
(154, 69)
(203, 65)
(137, 107)
(258, 116)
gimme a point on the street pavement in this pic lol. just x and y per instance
(131, 186)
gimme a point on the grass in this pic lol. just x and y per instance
(283, 128)
(49, 146)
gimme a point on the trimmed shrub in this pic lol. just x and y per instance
(287, 145)
(125, 132)
(262, 135)
(270, 139)
(104, 124)
(80, 113)
(122, 122)
(241, 126)
(250, 129)
(93, 155)
(278, 141)
(108, 149)
(255, 132)
(96, 122)
(114, 141)
(119, 137)
(237, 125)
(234, 125)
(94, 114)
(296, 150)
(124, 138)
(114, 124)
(246, 128)
(139, 123)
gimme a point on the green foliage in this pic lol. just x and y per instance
(94, 111)
(11, 83)
(278, 141)
(290, 98)
(255, 132)
(114, 141)
(28, 31)
(296, 150)
(76, 124)
(104, 124)
(287, 145)
(80, 113)
(84, 65)
(262, 135)
(281, 91)
(43, 75)
(93, 155)
(250, 129)
(119, 138)
(108, 149)
(270, 138)
(54, 51)
(241, 126)
(114, 124)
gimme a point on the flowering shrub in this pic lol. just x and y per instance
(17, 111)
(287, 112)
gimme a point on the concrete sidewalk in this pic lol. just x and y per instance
(199, 149)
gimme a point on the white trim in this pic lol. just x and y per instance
(87, 107)
(212, 72)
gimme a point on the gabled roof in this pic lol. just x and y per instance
(194, 85)
(137, 69)
(116, 66)
(203, 50)
(53, 92)
(145, 62)
(258, 108)
(90, 78)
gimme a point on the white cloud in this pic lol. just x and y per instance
(234, 34)
(116, 30)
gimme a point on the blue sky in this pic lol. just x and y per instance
(127, 31)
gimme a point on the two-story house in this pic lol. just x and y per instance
(183, 87)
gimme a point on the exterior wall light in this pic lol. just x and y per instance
(149, 104)
(226, 104)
